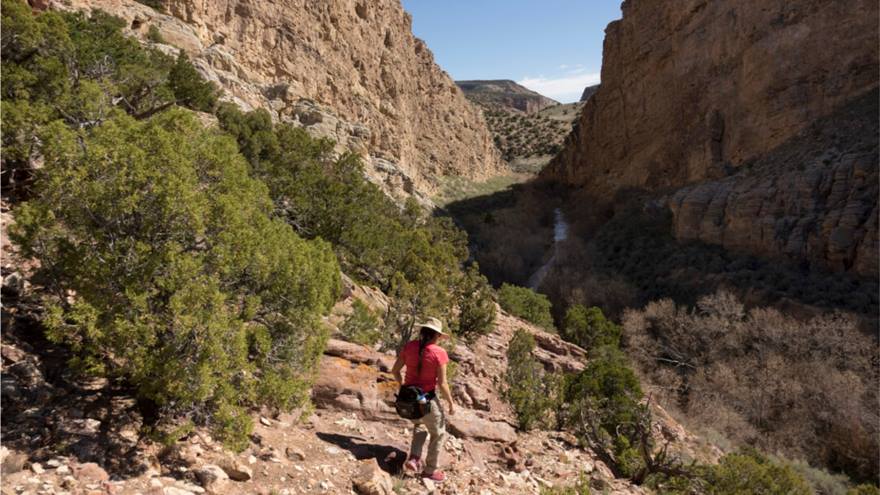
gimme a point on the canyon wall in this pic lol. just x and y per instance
(697, 90)
(345, 69)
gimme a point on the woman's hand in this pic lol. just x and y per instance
(395, 370)
(451, 409)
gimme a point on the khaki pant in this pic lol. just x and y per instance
(435, 423)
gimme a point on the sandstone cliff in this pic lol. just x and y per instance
(695, 90)
(349, 70)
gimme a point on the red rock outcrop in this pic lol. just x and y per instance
(349, 70)
(700, 90)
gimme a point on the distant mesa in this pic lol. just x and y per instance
(506, 94)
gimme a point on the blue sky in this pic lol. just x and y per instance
(553, 47)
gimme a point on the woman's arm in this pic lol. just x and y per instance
(444, 389)
(395, 370)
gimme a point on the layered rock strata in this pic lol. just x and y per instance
(505, 94)
(696, 91)
(349, 70)
(815, 198)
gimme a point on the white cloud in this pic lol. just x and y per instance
(566, 88)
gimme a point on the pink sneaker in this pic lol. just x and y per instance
(414, 464)
(437, 476)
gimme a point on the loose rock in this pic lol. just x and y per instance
(372, 480)
(235, 469)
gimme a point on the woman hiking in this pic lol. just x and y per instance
(425, 363)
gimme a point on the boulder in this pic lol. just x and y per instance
(212, 477)
(466, 424)
(350, 386)
(295, 453)
(479, 395)
(235, 469)
(372, 480)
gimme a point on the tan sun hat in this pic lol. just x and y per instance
(434, 324)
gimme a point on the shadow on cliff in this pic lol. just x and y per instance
(625, 255)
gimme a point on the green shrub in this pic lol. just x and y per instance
(581, 487)
(154, 35)
(750, 472)
(476, 306)
(362, 325)
(415, 258)
(530, 391)
(739, 473)
(588, 328)
(81, 70)
(526, 304)
(820, 480)
(603, 409)
(163, 265)
(864, 489)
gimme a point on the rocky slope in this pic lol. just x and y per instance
(698, 91)
(352, 71)
(527, 127)
(505, 94)
(63, 434)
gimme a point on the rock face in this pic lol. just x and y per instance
(349, 70)
(814, 198)
(505, 94)
(589, 91)
(696, 91)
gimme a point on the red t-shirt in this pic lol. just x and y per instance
(433, 357)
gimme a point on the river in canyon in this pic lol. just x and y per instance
(560, 234)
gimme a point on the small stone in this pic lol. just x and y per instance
(252, 459)
(156, 482)
(91, 472)
(429, 484)
(333, 450)
(62, 469)
(235, 469)
(265, 421)
(53, 463)
(37, 468)
(295, 453)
